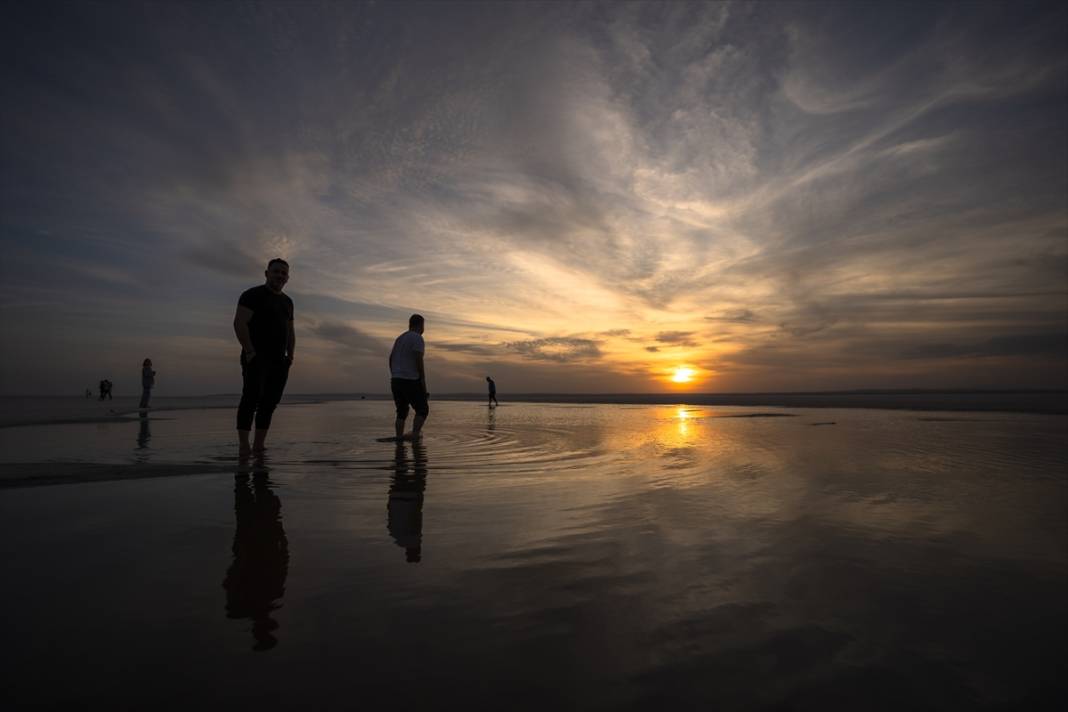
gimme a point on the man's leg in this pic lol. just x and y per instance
(400, 400)
(252, 376)
(422, 409)
(274, 383)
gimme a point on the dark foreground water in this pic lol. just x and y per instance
(537, 557)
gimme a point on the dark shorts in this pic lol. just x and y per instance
(408, 393)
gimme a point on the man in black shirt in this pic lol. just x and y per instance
(264, 326)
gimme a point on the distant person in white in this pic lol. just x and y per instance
(408, 378)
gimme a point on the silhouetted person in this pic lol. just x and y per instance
(256, 580)
(404, 511)
(264, 327)
(492, 392)
(105, 389)
(408, 377)
(148, 380)
(88, 393)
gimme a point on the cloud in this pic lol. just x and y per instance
(676, 338)
(867, 189)
(737, 316)
(562, 349)
(1051, 344)
(351, 338)
(473, 349)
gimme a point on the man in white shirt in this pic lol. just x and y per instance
(407, 377)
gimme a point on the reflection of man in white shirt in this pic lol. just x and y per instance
(407, 377)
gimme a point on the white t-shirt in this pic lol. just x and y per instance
(402, 360)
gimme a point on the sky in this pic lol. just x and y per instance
(617, 197)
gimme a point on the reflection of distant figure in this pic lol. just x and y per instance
(255, 581)
(143, 433)
(404, 518)
(148, 380)
(492, 392)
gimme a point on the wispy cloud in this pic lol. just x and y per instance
(562, 349)
(863, 191)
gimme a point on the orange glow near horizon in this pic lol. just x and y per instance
(683, 374)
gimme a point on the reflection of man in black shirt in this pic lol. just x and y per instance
(264, 327)
(256, 580)
(404, 513)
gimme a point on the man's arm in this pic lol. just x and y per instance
(422, 373)
(291, 340)
(241, 319)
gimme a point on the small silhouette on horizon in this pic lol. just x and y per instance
(492, 400)
(148, 380)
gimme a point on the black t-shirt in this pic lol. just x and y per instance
(269, 325)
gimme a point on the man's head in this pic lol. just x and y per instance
(147, 362)
(277, 274)
(416, 323)
(489, 379)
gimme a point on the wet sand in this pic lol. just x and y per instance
(548, 556)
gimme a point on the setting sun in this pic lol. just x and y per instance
(683, 375)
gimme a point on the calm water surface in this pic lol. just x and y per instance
(579, 557)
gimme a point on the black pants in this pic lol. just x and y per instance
(146, 393)
(264, 380)
(408, 393)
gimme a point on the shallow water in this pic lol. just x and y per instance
(584, 557)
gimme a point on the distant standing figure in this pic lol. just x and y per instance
(103, 389)
(148, 379)
(408, 377)
(264, 327)
(88, 393)
(492, 392)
